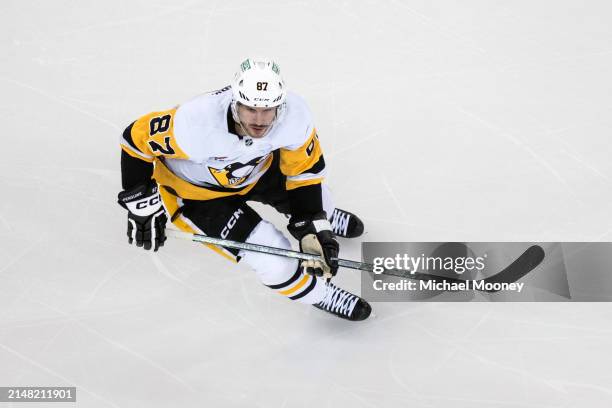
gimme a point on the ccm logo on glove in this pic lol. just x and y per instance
(147, 219)
(144, 203)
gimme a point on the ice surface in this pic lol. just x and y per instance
(441, 121)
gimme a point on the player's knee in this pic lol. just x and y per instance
(270, 269)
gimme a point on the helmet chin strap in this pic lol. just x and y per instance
(242, 130)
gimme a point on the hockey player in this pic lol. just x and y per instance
(202, 161)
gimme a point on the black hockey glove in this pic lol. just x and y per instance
(146, 215)
(316, 237)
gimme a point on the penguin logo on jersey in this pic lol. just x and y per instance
(235, 174)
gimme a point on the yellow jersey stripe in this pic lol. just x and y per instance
(171, 204)
(293, 184)
(295, 162)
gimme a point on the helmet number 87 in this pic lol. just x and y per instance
(262, 86)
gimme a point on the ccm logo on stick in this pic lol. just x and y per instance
(230, 224)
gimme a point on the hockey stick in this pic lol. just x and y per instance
(524, 264)
(226, 243)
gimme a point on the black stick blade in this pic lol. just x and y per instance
(529, 260)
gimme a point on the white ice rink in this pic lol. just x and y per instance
(441, 121)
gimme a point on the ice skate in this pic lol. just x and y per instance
(345, 224)
(344, 304)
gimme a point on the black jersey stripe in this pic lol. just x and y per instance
(317, 167)
(127, 136)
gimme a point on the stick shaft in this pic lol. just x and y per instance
(530, 259)
(226, 243)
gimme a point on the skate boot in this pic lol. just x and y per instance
(344, 304)
(345, 224)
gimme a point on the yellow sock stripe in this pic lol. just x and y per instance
(297, 287)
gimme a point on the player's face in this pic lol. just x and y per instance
(256, 121)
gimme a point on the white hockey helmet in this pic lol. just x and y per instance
(258, 83)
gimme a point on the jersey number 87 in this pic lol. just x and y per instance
(159, 125)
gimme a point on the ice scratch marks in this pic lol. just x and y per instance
(22, 253)
(572, 155)
(537, 157)
(61, 102)
(396, 201)
(122, 347)
(54, 373)
(164, 270)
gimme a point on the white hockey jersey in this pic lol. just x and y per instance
(197, 157)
